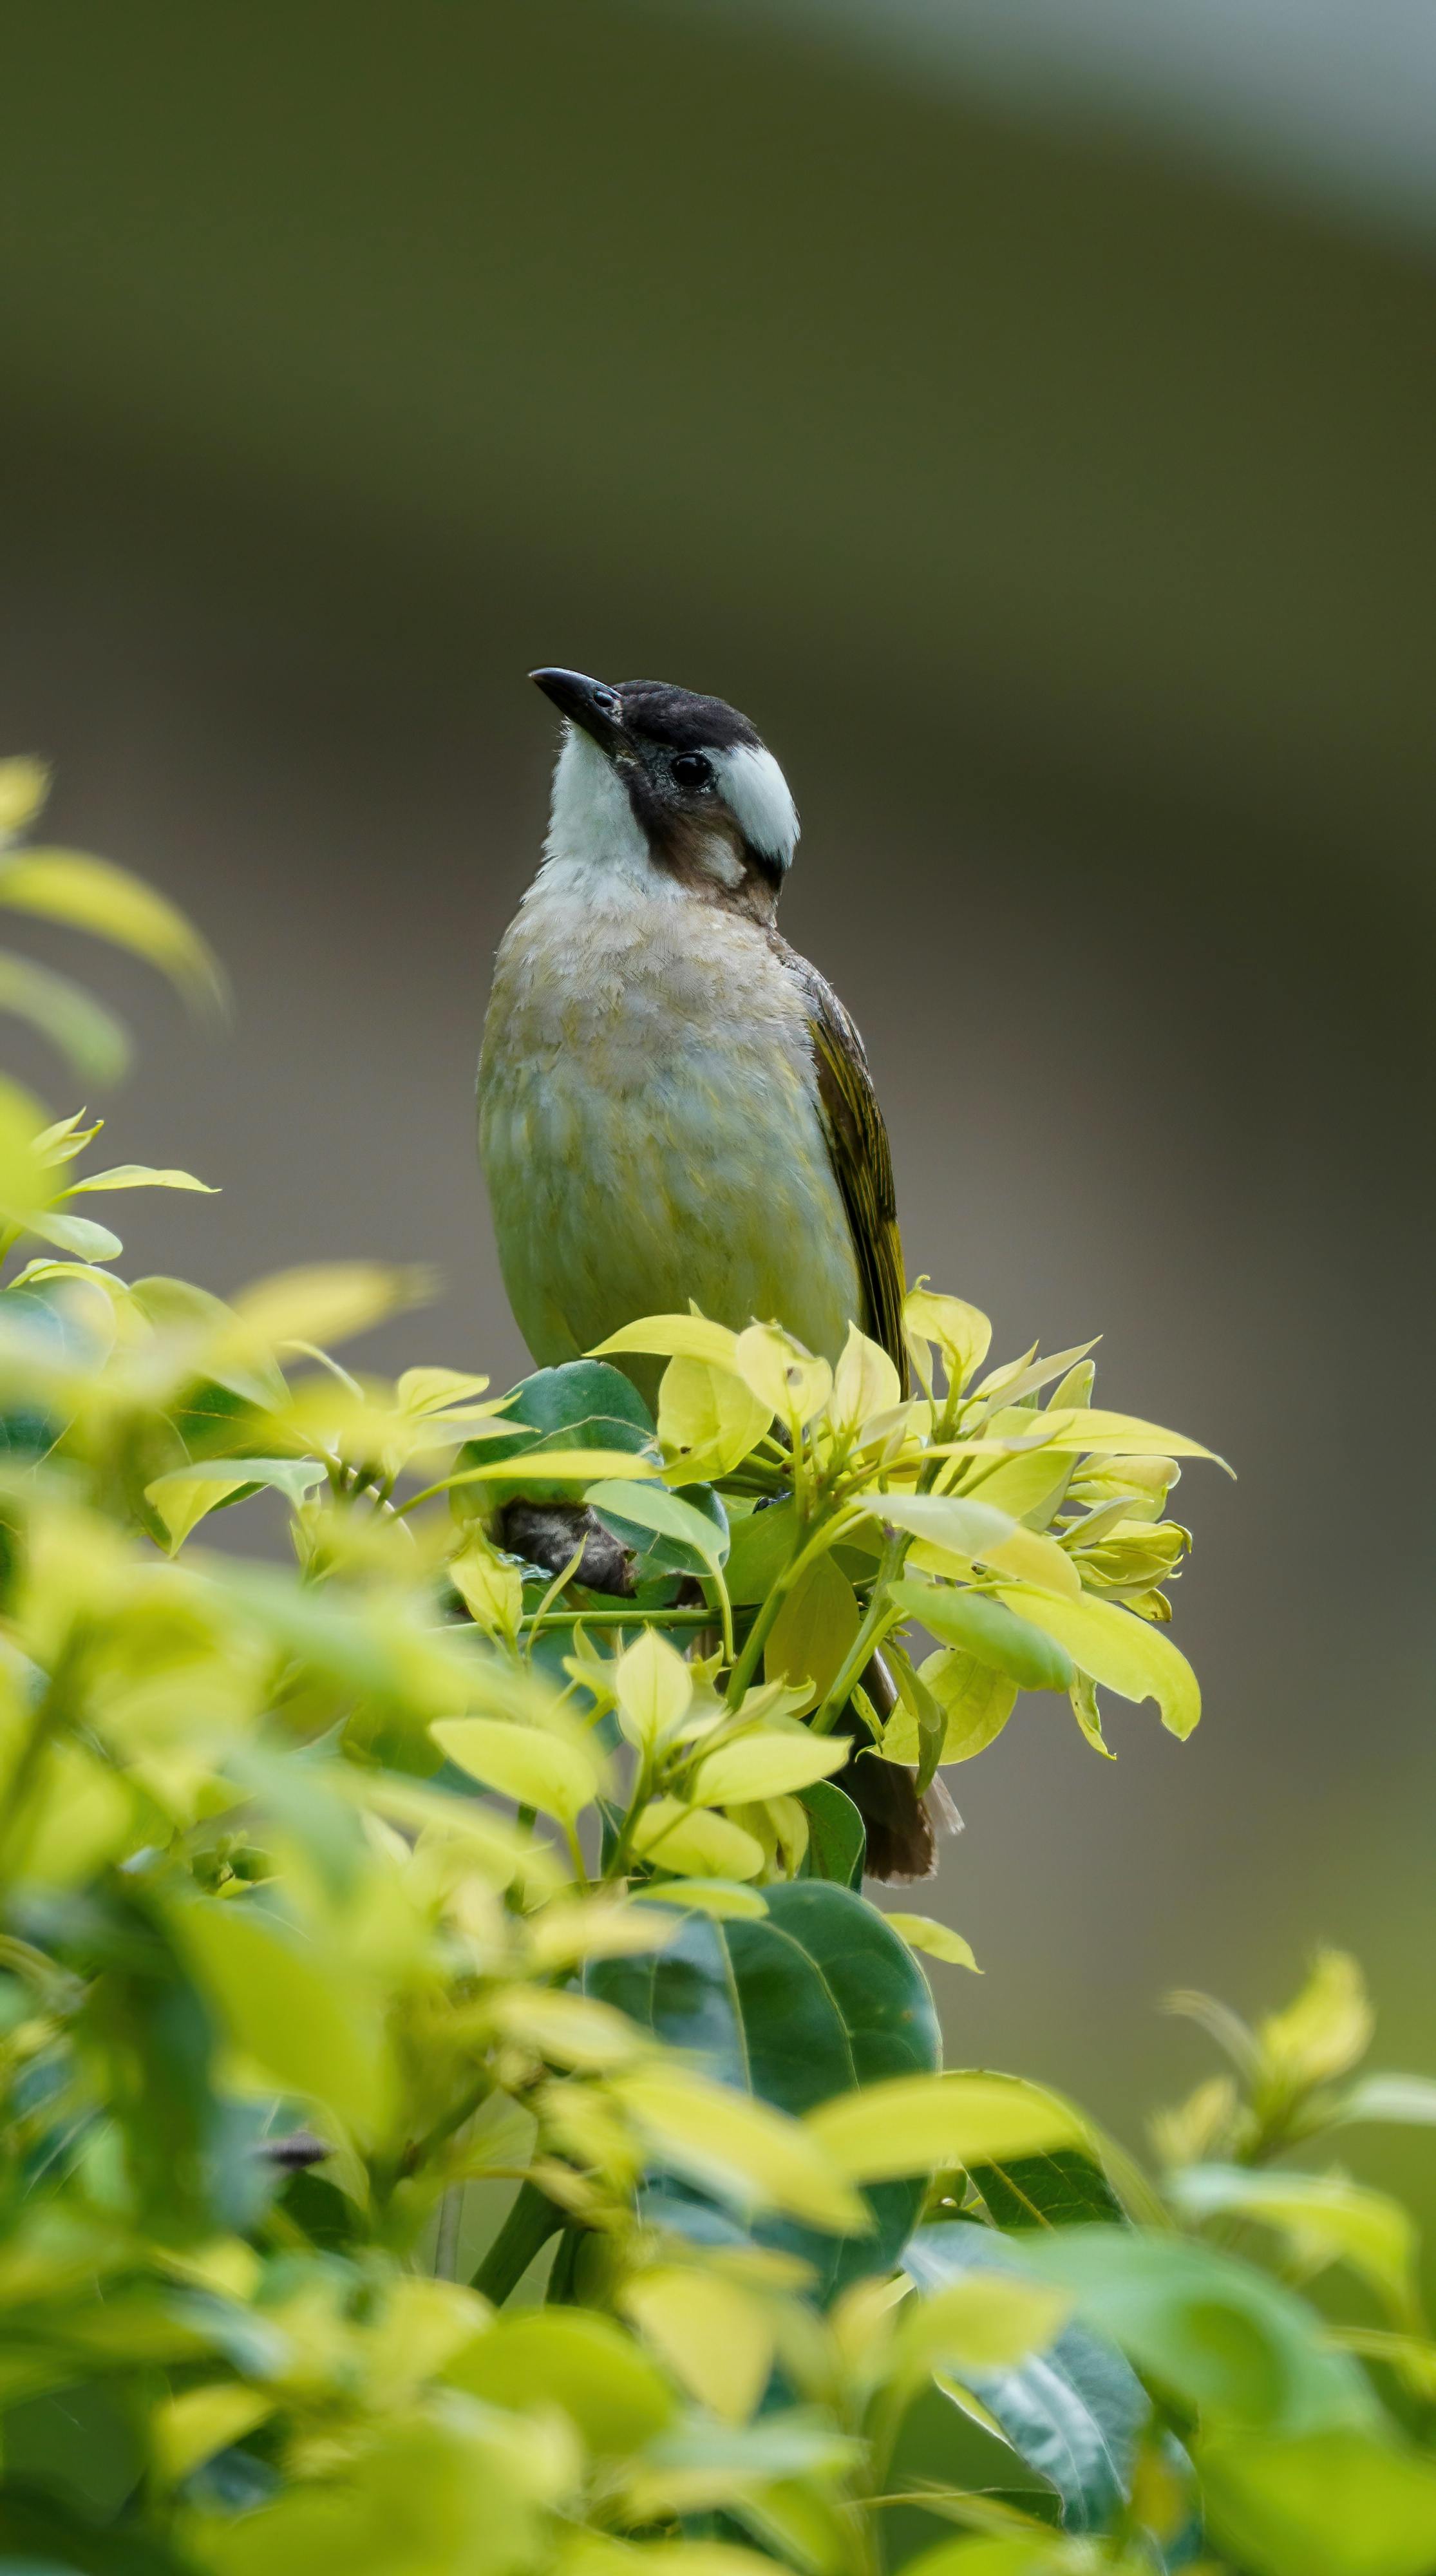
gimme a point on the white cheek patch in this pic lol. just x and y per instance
(593, 831)
(759, 799)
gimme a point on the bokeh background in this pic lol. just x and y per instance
(1026, 415)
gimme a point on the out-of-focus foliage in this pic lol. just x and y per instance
(461, 2113)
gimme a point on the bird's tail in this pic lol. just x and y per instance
(902, 1828)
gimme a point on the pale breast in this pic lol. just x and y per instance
(650, 1129)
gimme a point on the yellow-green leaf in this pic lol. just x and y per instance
(767, 1764)
(961, 1332)
(328, 1302)
(1030, 1557)
(1325, 2218)
(94, 1041)
(689, 1337)
(189, 2429)
(536, 1769)
(1126, 1654)
(713, 1896)
(715, 2336)
(710, 1417)
(1084, 1428)
(570, 2030)
(138, 1176)
(559, 1466)
(945, 1520)
(95, 895)
(938, 1939)
(284, 2006)
(489, 1586)
(865, 1384)
(788, 1379)
(184, 1497)
(695, 1842)
(726, 2141)
(920, 2123)
(1325, 2031)
(24, 786)
(975, 1698)
(991, 2321)
(810, 1639)
(652, 1687)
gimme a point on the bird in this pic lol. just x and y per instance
(675, 1105)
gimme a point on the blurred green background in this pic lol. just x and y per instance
(1026, 417)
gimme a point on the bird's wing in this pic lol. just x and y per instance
(861, 1158)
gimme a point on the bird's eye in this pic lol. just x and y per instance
(692, 769)
(608, 702)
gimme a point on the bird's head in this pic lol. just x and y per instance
(658, 786)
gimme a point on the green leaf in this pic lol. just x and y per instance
(184, 1496)
(709, 1416)
(89, 1036)
(837, 1836)
(75, 1234)
(1095, 1433)
(814, 1630)
(976, 1701)
(1324, 2031)
(944, 1520)
(280, 2007)
(1126, 1654)
(24, 786)
(1344, 2502)
(1019, 1647)
(1214, 2332)
(652, 1689)
(95, 895)
(584, 1405)
(1325, 2218)
(722, 1898)
(695, 1842)
(524, 1763)
(919, 2124)
(138, 1176)
(768, 1762)
(692, 1532)
(762, 1545)
(1030, 1488)
(1074, 2413)
(1064, 2189)
(722, 2139)
(795, 2009)
(1408, 2101)
(939, 1940)
(575, 2360)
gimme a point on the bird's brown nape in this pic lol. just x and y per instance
(682, 846)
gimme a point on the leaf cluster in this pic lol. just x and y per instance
(460, 2112)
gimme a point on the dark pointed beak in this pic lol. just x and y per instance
(590, 704)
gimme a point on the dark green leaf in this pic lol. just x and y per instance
(42, 2534)
(816, 1998)
(583, 1405)
(1061, 2190)
(1074, 2413)
(837, 1837)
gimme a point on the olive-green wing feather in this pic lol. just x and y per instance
(862, 1161)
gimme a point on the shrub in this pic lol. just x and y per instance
(381, 1931)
